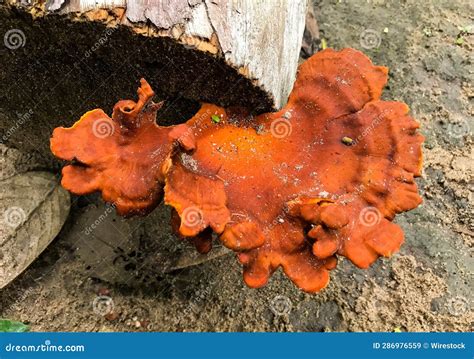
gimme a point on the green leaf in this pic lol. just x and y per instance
(215, 119)
(12, 326)
(459, 40)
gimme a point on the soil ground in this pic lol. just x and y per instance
(425, 287)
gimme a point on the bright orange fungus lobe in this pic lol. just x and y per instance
(286, 189)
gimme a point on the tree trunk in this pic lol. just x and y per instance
(63, 58)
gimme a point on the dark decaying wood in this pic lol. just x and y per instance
(60, 58)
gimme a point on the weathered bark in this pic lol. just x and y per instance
(63, 58)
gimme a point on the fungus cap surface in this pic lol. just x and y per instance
(295, 188)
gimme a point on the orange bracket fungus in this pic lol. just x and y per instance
(322, 177)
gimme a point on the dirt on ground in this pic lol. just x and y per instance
(106, 273)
